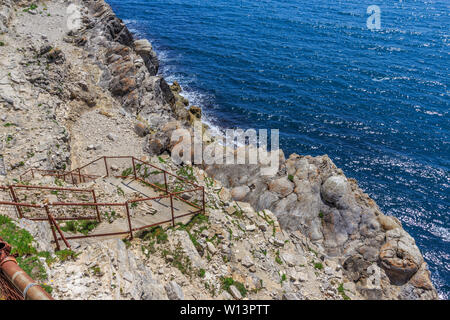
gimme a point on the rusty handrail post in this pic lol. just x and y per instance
(96, 206)
(129, 220)
(171, 209)
(59, 231)
(134, 168)
(106, 166)
(203, 200)
(52, 227)
(165, 182)
(79, 175)
(13, 194)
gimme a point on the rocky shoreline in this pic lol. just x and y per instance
(67, 97)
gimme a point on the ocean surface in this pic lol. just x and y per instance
(376, 101)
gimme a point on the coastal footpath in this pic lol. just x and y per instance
(309, 232)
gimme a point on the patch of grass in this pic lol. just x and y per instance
(48, 257)
(127, 172)
(110, 216)
(31, 7)
(59, 182)
(162, 160)
(127, 243)
(96, 271)
(180, 260)
(291, 178)
(84, 226)
(66, 254)
(8, 124)
(187, 172)
(277, 257)
(321, 215)
(209, 182)
(341, 291)
(155, 233)
(47, 288)
(20, 240)
(318, 265)
(2, 43)
(228, 282)
(33, 267)
(201, 273)
(120, 192)
(283, 278)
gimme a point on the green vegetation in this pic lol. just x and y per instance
(155, 233)
(47, 288)
(209, 182)
(228, 282)
(187, 172)
(161, 160)
(342, 292)
(318, 265)
(283, 278)
(133, 205)
(58, 182)
(321, 215)
(2, 43)
(84, 226)
(21, 242)
(127, 172)
(201, 273)
(66, 254)
(127, 243)
(96, 271)
(31, 7)
(277, 257)
(291, 178)
(110, 216)
(120, 192)
(179, 260)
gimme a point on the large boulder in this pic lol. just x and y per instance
(282, 186)
(239, 193)
(400, 257)
(145, 50)
(334, 189)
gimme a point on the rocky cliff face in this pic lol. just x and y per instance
(307, 233)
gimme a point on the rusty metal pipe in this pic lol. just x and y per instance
(22, 281)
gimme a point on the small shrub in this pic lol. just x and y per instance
(277, 257)
(66, 254)
(47, 288)
(201, 273)
(228, 282)
(342, 292)
(318, 266)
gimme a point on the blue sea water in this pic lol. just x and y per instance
(377, 102)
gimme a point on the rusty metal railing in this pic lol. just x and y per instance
(76, 176)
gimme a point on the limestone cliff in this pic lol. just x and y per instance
(68, 96)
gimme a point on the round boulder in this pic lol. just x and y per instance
(239, 193)
(334, 188)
